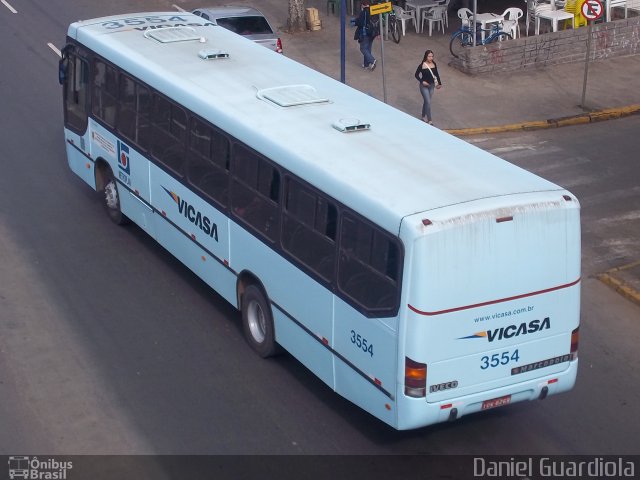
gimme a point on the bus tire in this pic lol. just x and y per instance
(257, 322)
(111, 199)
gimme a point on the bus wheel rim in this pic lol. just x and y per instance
(257, 323)
(111, 195)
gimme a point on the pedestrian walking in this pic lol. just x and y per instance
(366, 32)
(429, 78)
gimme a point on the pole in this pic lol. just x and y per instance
(473, 28)
(343, 12)
(384, 83)
(586, 65)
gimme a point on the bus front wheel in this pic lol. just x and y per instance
(257, 322)
(111, 199)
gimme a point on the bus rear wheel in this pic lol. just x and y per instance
(257, 322)
(111, 199)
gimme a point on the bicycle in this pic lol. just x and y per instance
(393, 23)
(394, 26)
(463, 38)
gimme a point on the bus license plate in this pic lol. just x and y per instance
(496, 402)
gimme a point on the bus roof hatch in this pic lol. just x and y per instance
(291, 95)
(172, 34)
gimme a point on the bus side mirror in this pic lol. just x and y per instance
(63, 64)
(62, 70)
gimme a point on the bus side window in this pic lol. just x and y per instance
(104, 92)
(208, 161)
(255, 192)
(133, 114)
(169, 133)
(308, 230)
(369, 266)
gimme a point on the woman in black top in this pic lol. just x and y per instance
(429, 78)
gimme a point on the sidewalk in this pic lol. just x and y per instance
(467, 102)
(625, 280)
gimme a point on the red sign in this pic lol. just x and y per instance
(592, 9)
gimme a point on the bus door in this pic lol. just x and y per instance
(123, 106)
(73, 74)
(132, 175)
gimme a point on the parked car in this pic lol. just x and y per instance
(246, 21)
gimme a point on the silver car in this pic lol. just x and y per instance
(246, 21)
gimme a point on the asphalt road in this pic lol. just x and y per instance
(109, 345)
(597, 163)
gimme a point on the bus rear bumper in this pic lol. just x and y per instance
(416, 413)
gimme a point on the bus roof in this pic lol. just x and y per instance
(401, 166)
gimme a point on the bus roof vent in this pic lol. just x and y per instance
(291, 95)
(172, 34)
(212, 54)
(348, 125)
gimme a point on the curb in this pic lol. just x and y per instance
(591, 117)
(620, 286)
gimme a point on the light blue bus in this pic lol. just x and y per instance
(418, 276)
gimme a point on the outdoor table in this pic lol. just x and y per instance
(554, 16)
(418, 6)
(485, 20)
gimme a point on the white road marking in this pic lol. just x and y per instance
(511, 148)
(624, 218)
(575, 181)
(54, 48)
(178, 8)
(6, 4)
(620, 243)
(606, 197)
(561, 163)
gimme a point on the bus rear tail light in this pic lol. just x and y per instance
(575, 338)
(415, 378)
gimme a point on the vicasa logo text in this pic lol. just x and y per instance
(513, 330)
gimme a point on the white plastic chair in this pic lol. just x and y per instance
(433, 15)
(511, 24)
(611, 4)
(445, 4)
(626, 5)
(405, 16)
(533, 8)
(633, 5)
(465, 15)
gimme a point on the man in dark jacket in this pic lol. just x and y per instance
(365, 33)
